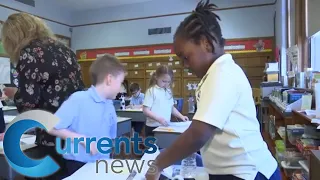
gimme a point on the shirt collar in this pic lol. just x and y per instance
(221, 59)
(95, 96)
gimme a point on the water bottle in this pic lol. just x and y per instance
(123, 102)
(191, 104)
(189, 166)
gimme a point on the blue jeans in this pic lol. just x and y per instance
(275, 176)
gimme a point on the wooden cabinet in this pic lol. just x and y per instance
(85, 66)
(139, 71)
(176, 73)
(136, 66)
(176, 88)
(135, 74)
(188, 74)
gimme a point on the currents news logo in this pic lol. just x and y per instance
(38, 168)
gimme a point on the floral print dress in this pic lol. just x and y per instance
(48, 73)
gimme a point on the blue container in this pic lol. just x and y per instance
(179, 104)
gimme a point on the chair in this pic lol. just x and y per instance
(198, 160)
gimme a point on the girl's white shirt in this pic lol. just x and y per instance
(160, 101)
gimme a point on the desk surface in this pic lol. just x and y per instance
(90, 171)
(27, 142)
(9, 108)
(174, 127)
(122, 119)
(130, 110)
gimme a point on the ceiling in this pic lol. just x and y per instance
(95, 4)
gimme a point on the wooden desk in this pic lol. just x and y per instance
(167, 135)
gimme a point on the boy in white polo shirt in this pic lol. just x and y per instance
(224, 127)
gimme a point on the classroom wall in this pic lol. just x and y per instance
(292, 22)
(46, 9)
(313, 17)
(236, 23)
(281, 33)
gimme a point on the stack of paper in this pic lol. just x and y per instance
(8, 119)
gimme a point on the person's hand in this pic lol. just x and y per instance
(153, 176)
(163, 122)
(130, 106)
(184, 118)
(1, 136)
(153, 173)
(10, 92)
(93, 148)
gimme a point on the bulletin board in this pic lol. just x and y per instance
(2, 52)
(63, 39)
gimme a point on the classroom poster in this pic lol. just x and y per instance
(5, 70)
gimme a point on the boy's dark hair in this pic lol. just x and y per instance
(134, 87)
(202, 23)
(107, 64)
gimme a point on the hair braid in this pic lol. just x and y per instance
(202, 23)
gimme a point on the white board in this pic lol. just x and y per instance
(5, 77)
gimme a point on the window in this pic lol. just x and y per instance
(315, 51)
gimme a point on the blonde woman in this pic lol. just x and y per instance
(48, 72)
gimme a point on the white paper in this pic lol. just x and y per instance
(136, 72)
(150, 64)
(8, 108)
(29, 140)
(195, 86)
(315, 121)
(180, 124)
(189, 87)
(8, 118)
(310, 112)
(174, 71)
(317, 97)
(169, 64)
(189, 74)
(5, 76)
(137, 65)
(1, 88)
(158, 64)
(177, 62)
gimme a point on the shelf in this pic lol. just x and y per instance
(302, 118)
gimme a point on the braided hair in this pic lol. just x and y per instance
(202, 23)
